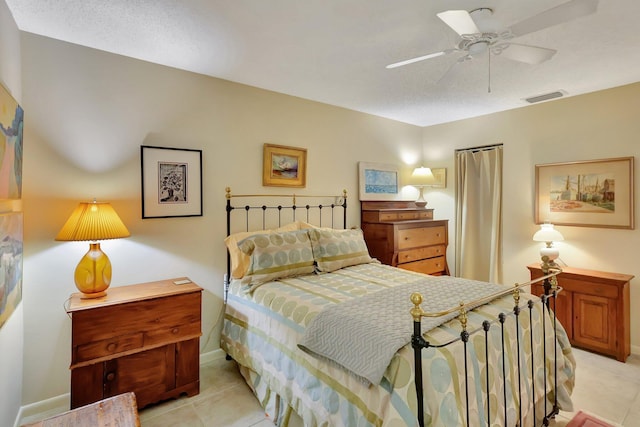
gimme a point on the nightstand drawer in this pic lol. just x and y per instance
(108, 347)
(427, 266)
(136, 317)
(420, 253)
(174, 333)
(416, 237)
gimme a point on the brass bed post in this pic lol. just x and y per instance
(418, 343)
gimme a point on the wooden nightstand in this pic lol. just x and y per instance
(593, 307)
(402, 235)
(143, 338)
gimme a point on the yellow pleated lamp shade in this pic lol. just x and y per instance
(93, 221)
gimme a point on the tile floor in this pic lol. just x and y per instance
(604, 387)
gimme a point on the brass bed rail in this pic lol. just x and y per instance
(551, 289)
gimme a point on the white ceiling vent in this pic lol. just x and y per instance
(545, 97)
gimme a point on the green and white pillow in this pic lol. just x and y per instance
(335, 249)
(277, 255)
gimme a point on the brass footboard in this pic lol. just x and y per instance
(418, 342)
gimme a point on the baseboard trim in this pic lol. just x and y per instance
(59, 404)
(42, 409)
(212, 356)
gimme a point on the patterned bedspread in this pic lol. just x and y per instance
(262, 331)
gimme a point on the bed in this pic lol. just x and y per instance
(468, 373)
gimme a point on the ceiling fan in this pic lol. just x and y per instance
(479, 33)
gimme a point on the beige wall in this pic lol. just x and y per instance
(88, 112)
(594, 126)
(11, 333)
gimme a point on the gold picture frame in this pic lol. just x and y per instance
(592, 193)
(284, 166)
(440, 175)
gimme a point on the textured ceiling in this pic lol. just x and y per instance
(335, 51)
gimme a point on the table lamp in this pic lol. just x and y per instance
(548, 234)
(420, 178)
(93, 221)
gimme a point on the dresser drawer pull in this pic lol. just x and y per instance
(175, 331)
(110, 376)
(112, 346)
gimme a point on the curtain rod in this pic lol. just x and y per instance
(481, 148)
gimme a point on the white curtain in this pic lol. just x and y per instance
(479, 214)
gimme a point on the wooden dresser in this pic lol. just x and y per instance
(143, 338)
(593, 307)
(400, 234)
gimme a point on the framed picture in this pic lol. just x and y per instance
(11, 125)
(11, 256)
(378, 181)
(440, 174)
(171, 182)
(593, 193)
(284, 166)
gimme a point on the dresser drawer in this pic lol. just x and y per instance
(416, 237)
(397, 215)
(411, 255)
(428, 266)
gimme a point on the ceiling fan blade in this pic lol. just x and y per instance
(525, 53)
(556, 15)
(453, 69)
(420, 58)
(460, 21)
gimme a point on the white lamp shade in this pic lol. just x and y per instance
(422, 177)
(547, 234)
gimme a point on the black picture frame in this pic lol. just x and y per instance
(171, 182)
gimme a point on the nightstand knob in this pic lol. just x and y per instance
(111, 346)
(175, 330)
(110, 376)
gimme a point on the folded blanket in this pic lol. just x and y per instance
(363, 334)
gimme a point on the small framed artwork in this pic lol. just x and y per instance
(171, 182)
(593, 193)
(440, 175)
(284, 166)
(378, 181)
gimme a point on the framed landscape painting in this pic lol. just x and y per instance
(284, 166)
(592, 193)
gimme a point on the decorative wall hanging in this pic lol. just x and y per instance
(378, 181)
(11, 124)
(171, 182)
(10, 264)
(592, 193)
(284, 166)
(440, 174)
